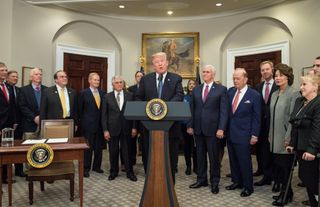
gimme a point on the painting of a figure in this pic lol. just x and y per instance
(181, 50)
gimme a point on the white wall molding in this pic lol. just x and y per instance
(109, 54)
(283, 46)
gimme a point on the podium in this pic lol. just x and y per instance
(158, 188)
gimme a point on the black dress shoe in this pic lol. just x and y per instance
(112, 177)
(215, 189)
(263, 181)
(257, 173)
(132, 177)
(228, 175)
(86, 174)
(6, 181)
(306, 203)
(276, 187)
(233, 186)
(188, 170)
(198, 185)
(98, 170)
(246, 193)
(301, 184)
(20, 174)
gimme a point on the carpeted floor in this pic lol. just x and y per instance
(122, 192)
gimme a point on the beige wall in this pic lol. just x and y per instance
(34, 28)
(6, 31)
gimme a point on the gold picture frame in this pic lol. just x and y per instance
(26, 75)
(182, 51)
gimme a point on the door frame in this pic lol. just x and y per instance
(109, 54)
(283, 46)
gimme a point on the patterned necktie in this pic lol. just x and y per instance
(63, 102)
(205, 94)
(235, 102)
(38, 95)
(266, 92)
(4, 92)
(118, 99)
(97, 98)
(160, 85)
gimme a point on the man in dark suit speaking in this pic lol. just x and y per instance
(244, 128)
(208, 124)
(58, 102)
(167, 86)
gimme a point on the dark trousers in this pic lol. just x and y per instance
(95, 141)
(18, 135)
(240, 164)
(264, 157)
(173, 152)
(114, 150)
(210, 146)
(189, 148)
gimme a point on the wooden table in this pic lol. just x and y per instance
(73, 150)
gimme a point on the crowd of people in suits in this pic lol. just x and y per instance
(283, 123)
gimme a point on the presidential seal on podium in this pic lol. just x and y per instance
(156, 109)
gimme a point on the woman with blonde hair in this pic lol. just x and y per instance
(305, 119)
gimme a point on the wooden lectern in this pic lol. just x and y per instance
(158, 186)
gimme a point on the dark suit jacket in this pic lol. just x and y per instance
(51, 108)
(112, 118)
(209, 116)
(171, 91)
(133, 89)
(88, 113)
(28, 107)
(245, 122)
(265, 110)
(306, 126)
(7, 110)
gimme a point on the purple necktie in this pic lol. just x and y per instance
(205, 94)
(266, 92)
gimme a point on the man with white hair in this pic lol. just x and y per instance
(116, 129)
(208, 124)
(29, 101)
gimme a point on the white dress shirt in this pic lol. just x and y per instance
(121, 98)
(242, 92)
(66, 95)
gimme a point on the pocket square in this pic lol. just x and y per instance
(247, 101)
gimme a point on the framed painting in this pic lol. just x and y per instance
(182, 51)
(306, 70)
(26, 75)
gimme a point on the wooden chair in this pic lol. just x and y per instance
(64, 170)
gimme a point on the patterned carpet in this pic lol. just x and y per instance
(122, 192)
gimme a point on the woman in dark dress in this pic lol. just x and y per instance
(189, 148)
(305, 119)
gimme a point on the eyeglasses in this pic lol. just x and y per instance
(316, 65)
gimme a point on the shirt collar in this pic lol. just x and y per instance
(209, 84)
(93, 90)
(163, 76)
(59, 88)
(244, 89)
(270, 82)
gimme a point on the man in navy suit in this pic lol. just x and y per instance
(29, 101)
(243, 130)
(208, 124)
(264, 156)
(89, 113)
(7, 108)
(167, 86)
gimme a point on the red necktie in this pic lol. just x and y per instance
(266, 92)
(235, 102)
(4, 92)
(205, 94)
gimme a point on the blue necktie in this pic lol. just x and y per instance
(160, 85)
(37, 93)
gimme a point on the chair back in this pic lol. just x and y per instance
(57, 128)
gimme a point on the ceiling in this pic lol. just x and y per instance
(157, 9)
